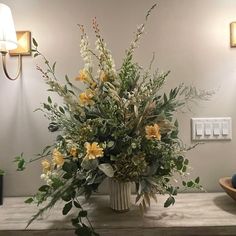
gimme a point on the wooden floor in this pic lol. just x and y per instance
(208, 214)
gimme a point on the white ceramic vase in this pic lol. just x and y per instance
(120, 195)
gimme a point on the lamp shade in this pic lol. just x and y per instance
(8, 39)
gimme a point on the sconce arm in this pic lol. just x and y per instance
(5, 67)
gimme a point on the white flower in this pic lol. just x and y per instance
(49, 182)
(43, 176)
(85, 53)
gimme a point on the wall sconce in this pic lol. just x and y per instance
(17, 43)
(233, 34)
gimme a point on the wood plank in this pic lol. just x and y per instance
(193, 214)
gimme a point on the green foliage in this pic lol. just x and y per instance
(170, 201)
(20, 161)
(67, 208)
(44, 188)
(2, 172)
(122, 126)
(107, 169)
(29, 200)
(35, 43)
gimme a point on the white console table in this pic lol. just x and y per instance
(208, 214)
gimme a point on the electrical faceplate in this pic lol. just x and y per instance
(212, 128)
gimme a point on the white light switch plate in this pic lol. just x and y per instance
(219, 128)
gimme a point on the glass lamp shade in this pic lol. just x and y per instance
(8, 39)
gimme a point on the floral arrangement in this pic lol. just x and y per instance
(122, 126)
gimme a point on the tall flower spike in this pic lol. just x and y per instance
(139, 32)
(106, 61)
(85, 51)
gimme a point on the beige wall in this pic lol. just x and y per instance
(190, 37)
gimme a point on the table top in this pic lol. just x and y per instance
(191, 210)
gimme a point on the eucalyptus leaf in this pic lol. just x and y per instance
(107, 169)
(44, 188)
(62, 110)
(67, 208)
(170, 201)
(29, 200)
(190, 184)
(83, 231)
(54, 66)
(49, 100)
(83, 213)
(77, 205)
(89, 164)
(110, 144)
(197, 180)
(35, 42)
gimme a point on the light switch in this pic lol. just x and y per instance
(211, 128)
(216, 129)
(199, 129)
(207, 129)
(225, 128)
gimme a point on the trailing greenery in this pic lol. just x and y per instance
(122, 126)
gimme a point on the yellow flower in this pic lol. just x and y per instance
(73, 151)
(85, 98)
(46, 165)
(104, 77)
(58, 158)
(83, 76)
(153, 131)
(93, 151)
(93, 85)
